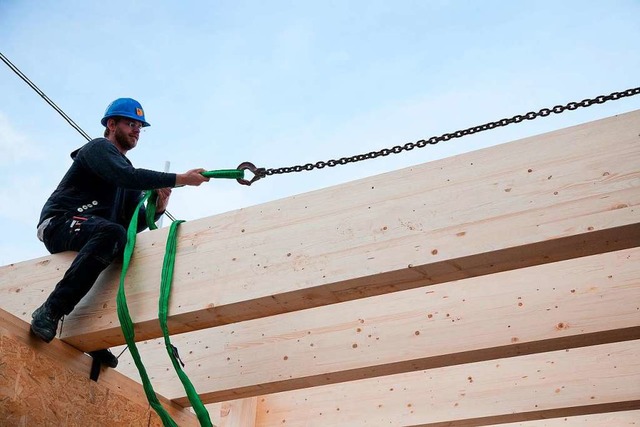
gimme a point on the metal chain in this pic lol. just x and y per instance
(447, 136)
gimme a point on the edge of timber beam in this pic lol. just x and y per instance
(601, 415)
(619, 418)
(560, 195)
(47, 384)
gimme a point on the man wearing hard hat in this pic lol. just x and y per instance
(91, 208)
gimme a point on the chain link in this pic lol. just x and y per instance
(544, 112)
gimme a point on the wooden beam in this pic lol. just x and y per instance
(574, 382)
(234, 413)
(568, 193)
(578, 302)
(48, 384)
(617, 419)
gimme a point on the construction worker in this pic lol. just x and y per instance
(91, 208)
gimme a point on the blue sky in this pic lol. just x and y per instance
(282, 83)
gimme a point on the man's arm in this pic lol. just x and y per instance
(103, 159)
(193, 177)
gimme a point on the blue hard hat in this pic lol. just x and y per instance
(125, 107)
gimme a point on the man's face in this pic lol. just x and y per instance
(127, 133)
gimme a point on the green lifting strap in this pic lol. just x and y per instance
(163, 309)
(224, 173)
(220, 173)
(127, 324)
(150, 211)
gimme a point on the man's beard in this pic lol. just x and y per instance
(124, 140)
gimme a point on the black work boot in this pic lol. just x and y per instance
(105, 357)
(45, 322)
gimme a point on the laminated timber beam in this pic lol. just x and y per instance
(617, 419)
(566, 383)
(574, 303)
(48, 384)
(234, 413)
(564, 194)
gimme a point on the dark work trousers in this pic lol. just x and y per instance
(98, 242)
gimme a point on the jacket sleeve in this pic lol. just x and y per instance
(104, 159)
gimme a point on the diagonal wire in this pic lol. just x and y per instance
(45, 97)
(55, 107)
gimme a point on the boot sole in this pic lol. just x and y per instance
(43, 334)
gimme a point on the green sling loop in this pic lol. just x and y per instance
(127, 324)
(165, 290)
(224, 173)
(220, 173)
(167, 275)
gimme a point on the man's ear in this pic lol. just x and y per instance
(111, 124)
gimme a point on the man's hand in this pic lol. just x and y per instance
(163, 199)
(193, 177)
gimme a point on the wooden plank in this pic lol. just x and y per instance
(579, 302)
(597, 379)
(617, 419)
(564, 194)
(234, 413)
(48, 384)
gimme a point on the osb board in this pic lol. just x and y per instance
(48, 385)
(37, 391)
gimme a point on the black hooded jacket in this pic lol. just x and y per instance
(103, 182)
